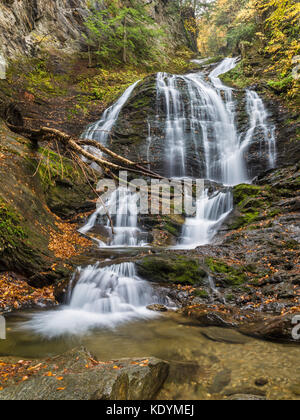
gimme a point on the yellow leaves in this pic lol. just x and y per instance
(49, 374)
(67, 242)
(14, 292)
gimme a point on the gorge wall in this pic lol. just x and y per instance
(26, 26)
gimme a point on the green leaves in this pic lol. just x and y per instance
(121, 34)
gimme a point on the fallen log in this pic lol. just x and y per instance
(78, 146)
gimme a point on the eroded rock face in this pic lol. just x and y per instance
(24, 24)
(83, 378)
(59, 24)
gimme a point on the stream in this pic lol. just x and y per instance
(106, 308)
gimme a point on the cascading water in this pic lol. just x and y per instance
(122, 206)
(199, 120)
(174, 126)
(101, 130)
(211, 212)
(213, 114)
(101, 298)
(258, 117)
(125, 231)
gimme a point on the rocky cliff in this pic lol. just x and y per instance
(27, 26)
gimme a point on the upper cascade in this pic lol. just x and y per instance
(187, 127)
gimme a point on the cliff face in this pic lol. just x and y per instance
(28, 25)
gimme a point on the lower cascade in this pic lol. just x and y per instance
(98, 298)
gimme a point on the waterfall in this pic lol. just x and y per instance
(122, 206)
(201, 139)
(101, 130)
(101, 298)
(211, 211)
(213, 109)
(258, 117)
(123, 201)
(198, 117)
(167, 87)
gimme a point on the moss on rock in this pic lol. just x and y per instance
(176, 269)
(232, 276)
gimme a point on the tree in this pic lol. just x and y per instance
(122, 32)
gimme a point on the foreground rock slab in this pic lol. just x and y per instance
(76, 375)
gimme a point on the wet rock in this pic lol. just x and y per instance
(172, 268)
(157, 308)
(270, 328)
(184, 372)
(85, 379)
(261, 382)
(207, 316)
(221, 380)
(223, 335)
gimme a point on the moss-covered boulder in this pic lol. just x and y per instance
(168, 268)
(228, 275)
(67, 189)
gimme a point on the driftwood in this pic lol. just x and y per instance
(78, 147)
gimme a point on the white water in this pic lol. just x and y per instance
(200, 115)
(211, 212)
(101, 298)
(258, 116)
(175, 162)
(101, 130)
(106, 297)
(213, 108)
(122, 205)
(122, 202)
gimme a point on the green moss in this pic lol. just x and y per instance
(201, 293)
(178, 270)
(232, 276)
(229, 297)
(11, 231)
(246, 219)
(238, 76)
(52, 167)
(251, 201)
(282, 85)
(244, 191)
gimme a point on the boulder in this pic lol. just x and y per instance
(76, 375)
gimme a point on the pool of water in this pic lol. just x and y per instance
(206, 363)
